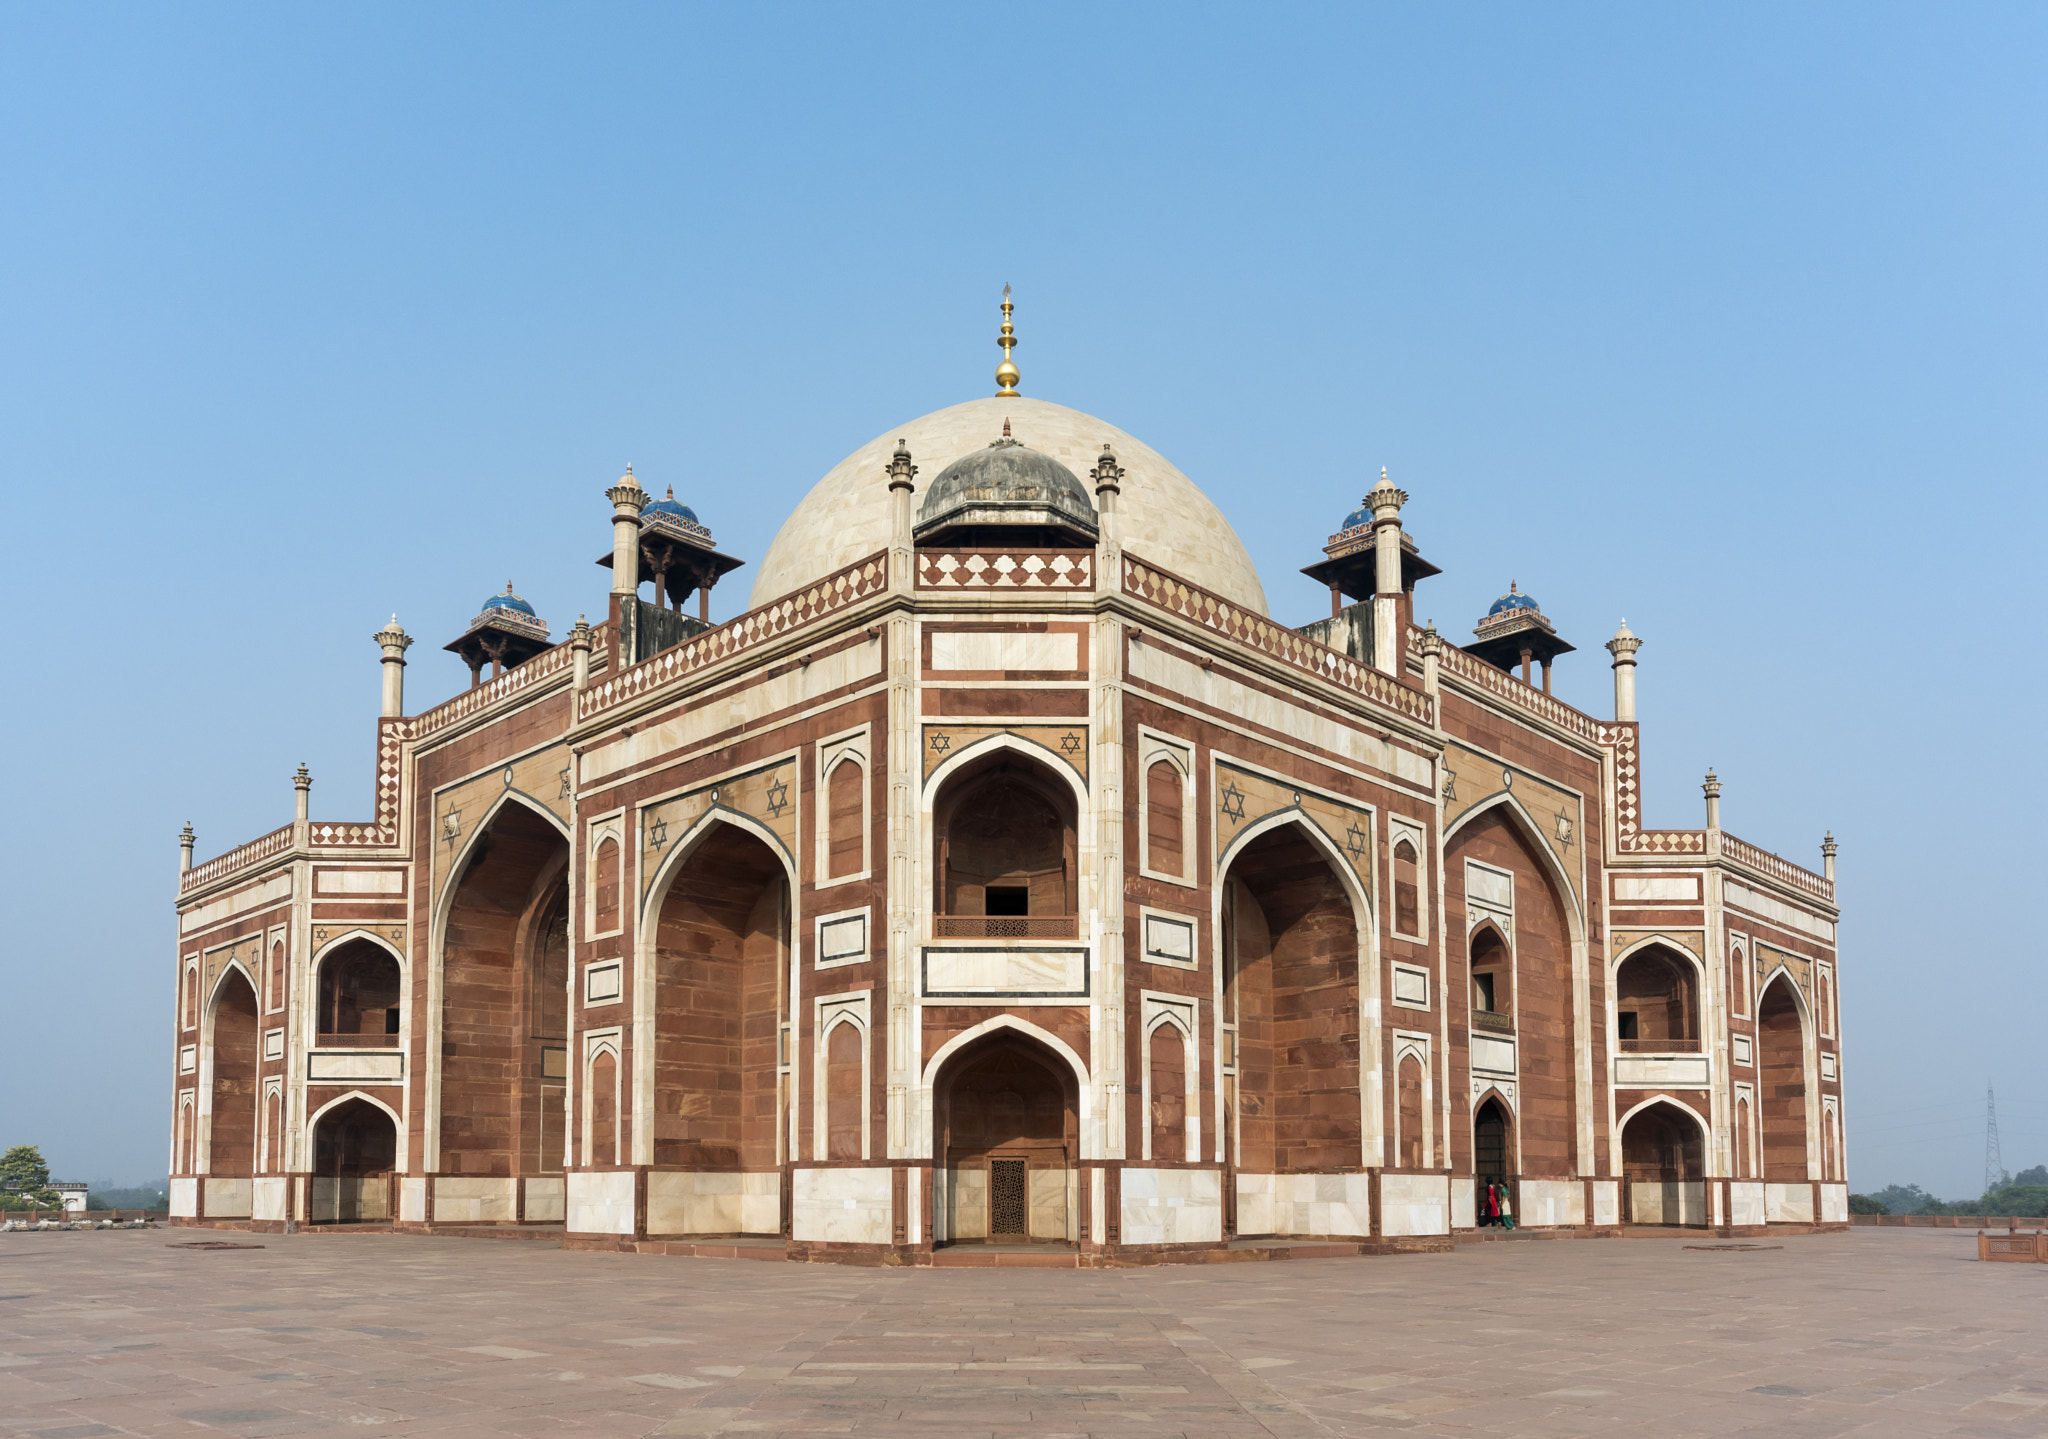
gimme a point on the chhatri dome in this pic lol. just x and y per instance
(1164, 518)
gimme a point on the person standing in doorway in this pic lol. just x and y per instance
(1507, 1208)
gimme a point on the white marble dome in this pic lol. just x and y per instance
(1165, 519)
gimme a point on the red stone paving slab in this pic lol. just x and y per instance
(1870, 1334)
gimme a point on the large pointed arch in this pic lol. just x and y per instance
(1576, 934)
(1038, 754)
(1371, 1036)
(922, 1126)
(437, 959)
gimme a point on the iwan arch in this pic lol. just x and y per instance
(1004, 879)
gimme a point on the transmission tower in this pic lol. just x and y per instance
(1994, 1163)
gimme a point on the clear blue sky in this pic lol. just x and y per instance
(1725, 319)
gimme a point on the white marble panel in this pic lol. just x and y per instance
(1649, 1071)
(1671, 1203)
(1834, 1204)
(1464, 1201)
(1682, 887)
(966, 1204)
(271, 890)
(1745, 1202)
(1172, 1206)
(477, 1199)
(735, 708)
(600, 1203)
(227, 1198)
(1788, 1203)
(986, 650)
(1411, 986)
(1304, 1204)
(1415, 1204)
(1493, 1054)
(720, 1203)
(359, 881)
(355, 1066)
(1213, 687)
(184, 1198)
(1492, 886)
(1607, 1202)
(1049, 1204)
(412, 1200)
(1549, 1203)
(1757, 902)
(974, 973)
(841, 1206)
(546, 1200)
(267, 1197)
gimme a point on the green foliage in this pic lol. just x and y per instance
(1864, 1204)
(2020, 1201)
(2037, 1175)
(24, 1168)
(27, 1176)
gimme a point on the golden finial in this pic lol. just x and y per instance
(1006, 373)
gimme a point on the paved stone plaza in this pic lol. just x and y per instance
(1868, 1333)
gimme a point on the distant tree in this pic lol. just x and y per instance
(2037, 1175)
(2016, 1201)
(1864, 1204)
(27, 1178)
(1906, 1199)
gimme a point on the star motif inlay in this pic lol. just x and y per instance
(565, 783)
(941, 742)
(451, 826)
(1070, 743)
(1233, 802)
(1356, 840)
(778, 798)
(1564, 828)
(657, 832)
(1450, 787)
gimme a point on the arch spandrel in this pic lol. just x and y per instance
(1621, 941)
(543, 781)
(1473, 780)
(767, 796)
(245, 953)
(1770, 959)
(1069, 743)
(1242, 799)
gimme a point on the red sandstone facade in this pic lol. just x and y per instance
(1006, 892)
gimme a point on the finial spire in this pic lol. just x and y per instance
(1006, 373)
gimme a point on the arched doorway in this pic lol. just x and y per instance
(721, 975)
(1006, 862)
(355, 1152)
(1006, 1119)
(1290, 1016)
(1663, 1157)
(1656, 1004)
(237, 1047)
(504, 1003)
(357, 1003)
(1781, 1082)
(1493, 1150)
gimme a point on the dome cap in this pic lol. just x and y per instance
(1007, 484)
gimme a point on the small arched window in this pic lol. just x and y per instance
(277, 975)
(844, 851)
(1493, 981)
(1168, 1076)
(1407, 890)
(1738, 982)
(1409, 1152)
(1742, 1139)
(843, 1097)
(1165, 843)
(604, 1109)
(191, 997)
(606, 886)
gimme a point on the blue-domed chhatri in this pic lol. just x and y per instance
(506, 632)
(676, 553)
(1515, 630)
